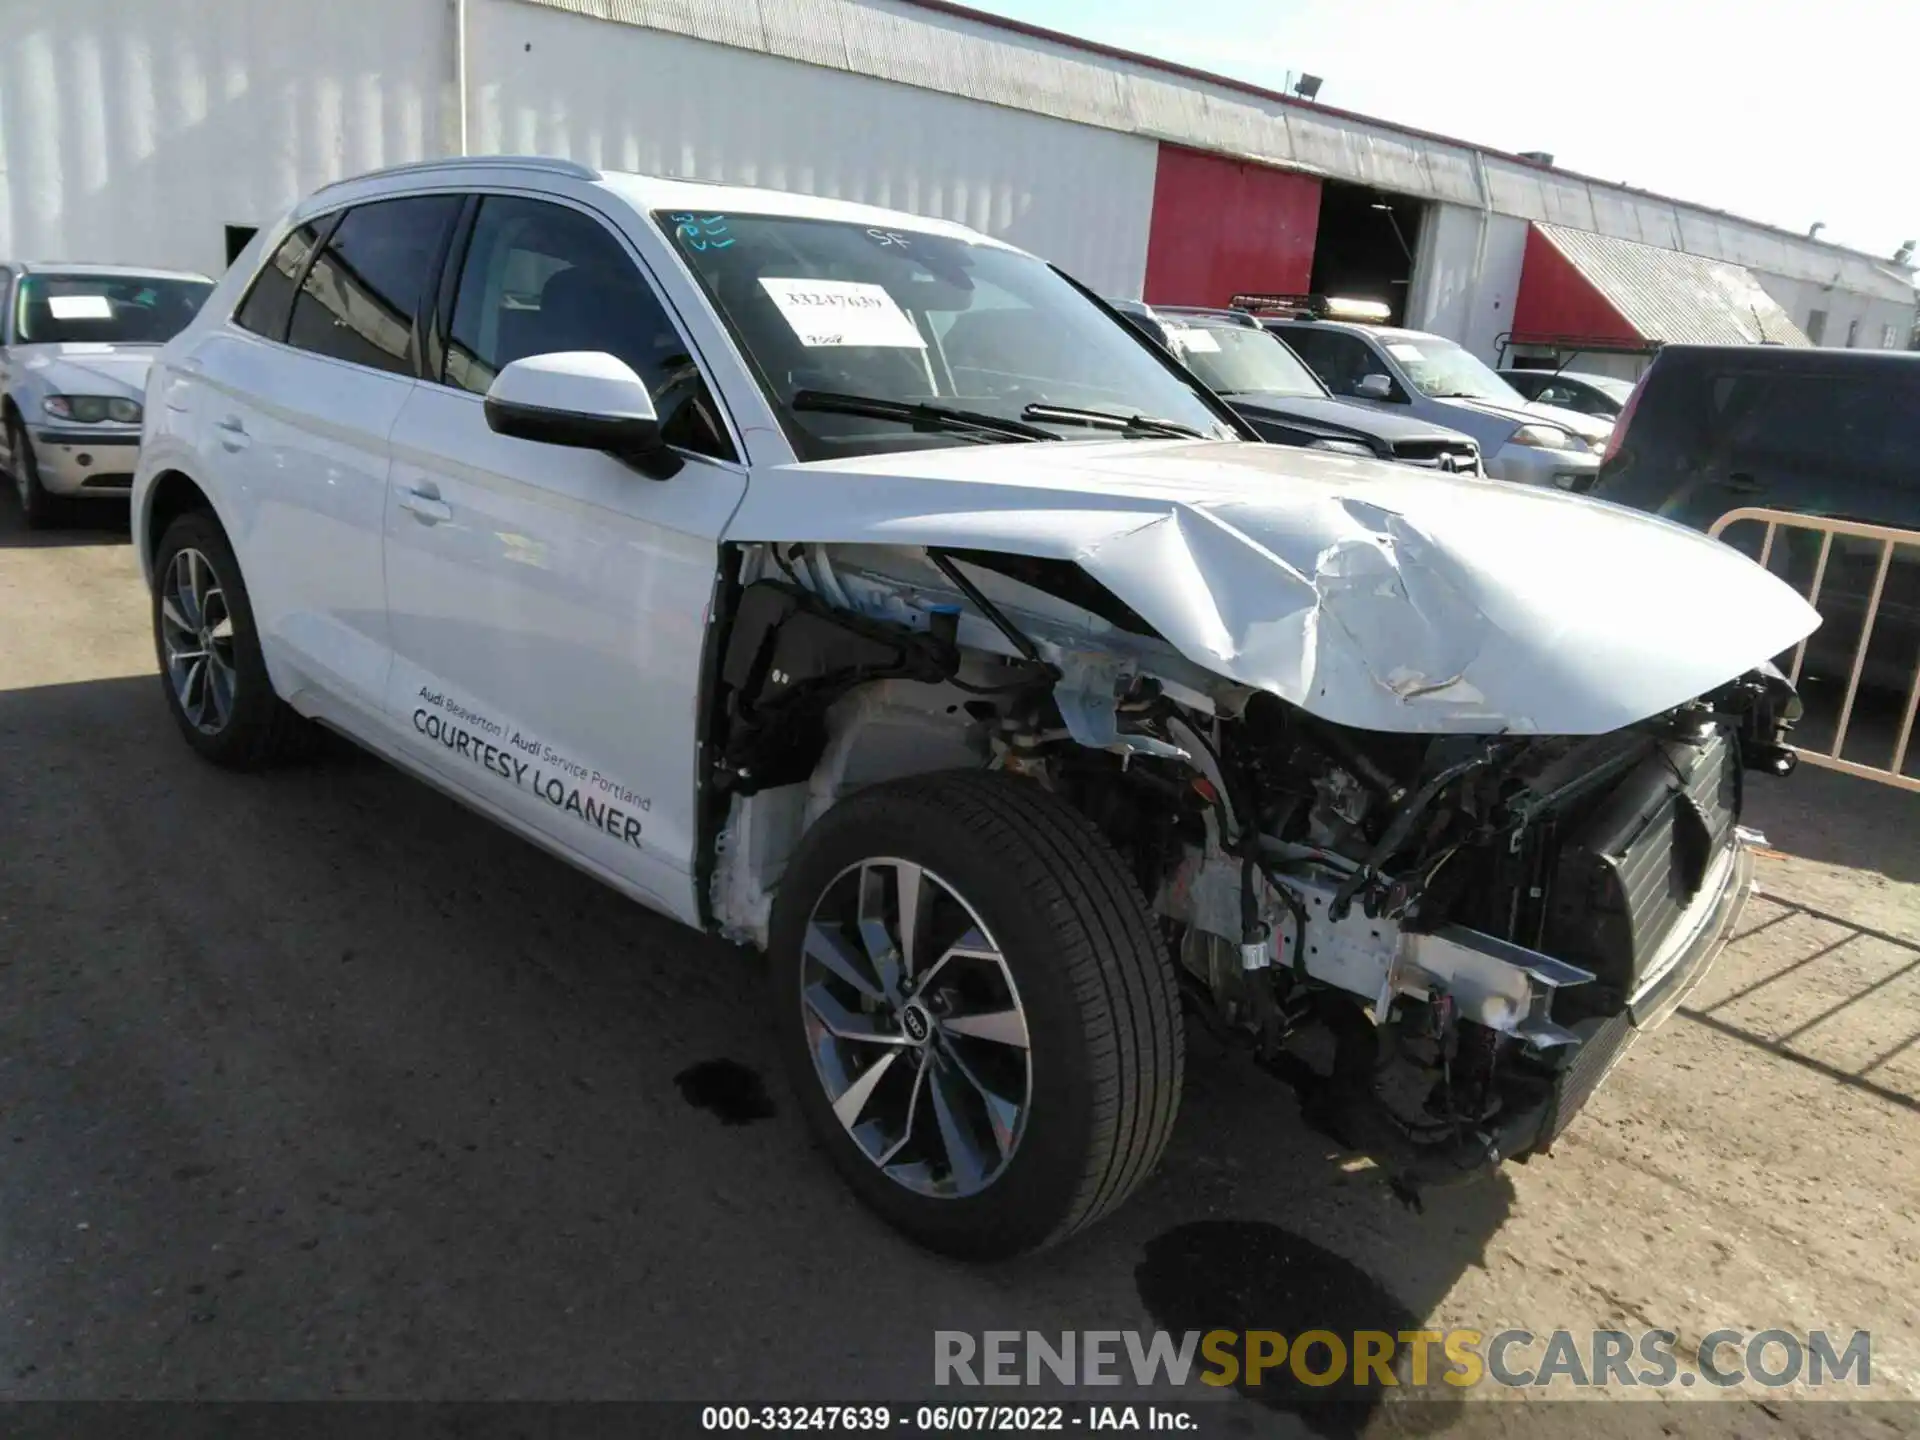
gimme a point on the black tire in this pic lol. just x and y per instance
(37, 507)
(1107, 1048)
(260, 729)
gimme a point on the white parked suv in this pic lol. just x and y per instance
(858, 586)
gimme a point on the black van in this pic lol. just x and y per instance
(1711, 429)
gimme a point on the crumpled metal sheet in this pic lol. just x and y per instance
(1368, 594)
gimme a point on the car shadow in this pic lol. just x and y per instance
(351, 1093)
(93, 522)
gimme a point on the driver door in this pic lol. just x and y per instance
(549, 604)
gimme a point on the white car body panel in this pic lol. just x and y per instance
(298, 446)
(551, 605)
(1366, 595)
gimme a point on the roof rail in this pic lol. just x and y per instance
(546, 164)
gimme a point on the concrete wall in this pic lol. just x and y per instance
(135, 132)
(1872, 317)
(1461, 290)
(625, 98)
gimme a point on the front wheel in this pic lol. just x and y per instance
(211, 669)
(37, 507)
(976, 1011)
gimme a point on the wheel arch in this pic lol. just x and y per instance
(171, 494)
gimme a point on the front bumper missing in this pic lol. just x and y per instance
(1587, 1051)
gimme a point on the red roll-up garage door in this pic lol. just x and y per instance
(1222, 227)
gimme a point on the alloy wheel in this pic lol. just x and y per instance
(196, 632)
(916, 1028)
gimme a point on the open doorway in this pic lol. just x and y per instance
(1365, 244)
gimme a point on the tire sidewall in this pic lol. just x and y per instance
(254, 699)
(1034, 1195)
(36, 505)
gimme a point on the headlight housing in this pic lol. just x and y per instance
(1345, 447)
(93, 409)
(1547, 437)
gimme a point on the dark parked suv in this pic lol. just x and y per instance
(1819, 432)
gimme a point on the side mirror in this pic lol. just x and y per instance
(1374, 387)
(584, 398)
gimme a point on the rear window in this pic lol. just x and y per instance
(1865, 421)
(361, 294)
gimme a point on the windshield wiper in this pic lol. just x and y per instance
(919, 415)
(1110, 420)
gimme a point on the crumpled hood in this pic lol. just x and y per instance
(1367, 593)
(80, 368)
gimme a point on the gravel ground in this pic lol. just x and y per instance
(313, 1085)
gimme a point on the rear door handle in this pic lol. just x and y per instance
(426, 505)
(233, 434)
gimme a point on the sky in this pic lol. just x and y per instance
(1788, 113)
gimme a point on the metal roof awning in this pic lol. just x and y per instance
(1581, 291)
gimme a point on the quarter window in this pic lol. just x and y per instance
(359, 300)
(540, 279)
(270, 301)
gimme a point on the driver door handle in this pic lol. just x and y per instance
(426, 505)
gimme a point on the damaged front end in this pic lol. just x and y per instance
(1445, 944)
(1443, 940)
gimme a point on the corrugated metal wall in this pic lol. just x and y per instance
(636, 99)
(135, 131)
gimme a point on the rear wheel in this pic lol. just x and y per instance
(976, 1011)
(37, 507)
(211, 668)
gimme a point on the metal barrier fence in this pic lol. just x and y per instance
(1889, 538)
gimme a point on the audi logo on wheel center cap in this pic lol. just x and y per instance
(917, 1023)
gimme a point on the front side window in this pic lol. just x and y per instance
(359, 298)
(55, 309)
(1239, 360)
(541, 278)
(1341, 360)
(867, 339)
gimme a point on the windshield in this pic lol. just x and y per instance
(1441, 368)
(948, 340)
(107, 309)
(1239, 360)
(1618, 391)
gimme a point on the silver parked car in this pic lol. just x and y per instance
(1428, 377)
(75, 344)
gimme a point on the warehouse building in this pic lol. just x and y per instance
(162, 133)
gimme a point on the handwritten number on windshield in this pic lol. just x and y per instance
(702, 232)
